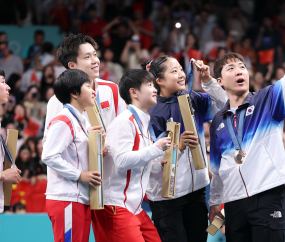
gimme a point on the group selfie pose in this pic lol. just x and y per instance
(246, 170)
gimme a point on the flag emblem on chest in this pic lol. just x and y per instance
(249, 110)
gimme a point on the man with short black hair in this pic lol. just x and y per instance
(247, 156)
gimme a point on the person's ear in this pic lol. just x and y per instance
(73, 96)
(133, 93)
(159, 81)
(71, 65)
(220, 81)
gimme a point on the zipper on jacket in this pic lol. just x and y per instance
(243, 182)
(191, 169)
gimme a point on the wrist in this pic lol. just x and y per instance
(206, 79)
(158, 145)
(182, 147)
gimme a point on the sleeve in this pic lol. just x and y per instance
(276, 99)
(216, 187)
(121, 141)
(158, 124)
(218, 97)
(54, 106)
(58, 139)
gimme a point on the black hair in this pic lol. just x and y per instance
(39, 32)
(19, 206)
(133, 79)
(157, 68)
(68, 49)
(2, 73)
(219, 64)
(47, 47)
(69, 82)
(3, 33)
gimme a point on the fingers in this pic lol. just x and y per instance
(99, 128)
(221, 215)
(163, 162)
(92, 185)
(95, 182)
(19, 171)
(96, 173)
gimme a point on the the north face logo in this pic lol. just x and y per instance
(276, 214)
(220, 126)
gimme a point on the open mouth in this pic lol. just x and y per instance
(240, 81)
(181, 82)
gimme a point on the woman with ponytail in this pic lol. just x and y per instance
(183, 218)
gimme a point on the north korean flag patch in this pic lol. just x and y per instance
(249, 110)
(105, 105)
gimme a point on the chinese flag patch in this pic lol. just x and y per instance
(105, 104)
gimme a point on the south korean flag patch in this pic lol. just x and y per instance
(249, 110)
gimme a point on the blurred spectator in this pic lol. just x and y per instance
(34, 107)
(59, 15)
(144, 25)
(177, 38)
(33, 76)
(48, 79)
(133, 55)
(94, 26)
(115, 68)
(31, 142)
(236, 23)
(44, 57)
(79, 12)
(25, 162)
(118, 37)
(203, 26)
(19, 208)
(106, 73)
(14, 82)
(268, 38)
(162, 24)
(49, 93)
(211, 47)
(9, 62)
(279, 73)
(35, 48)
(248, 51)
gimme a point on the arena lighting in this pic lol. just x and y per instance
(178, 25)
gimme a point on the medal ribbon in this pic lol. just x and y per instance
(75, 116)
(237, 142)
(98, 102)
(7, 153)
(150, 128)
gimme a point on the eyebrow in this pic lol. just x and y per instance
(233, 64)
(88, 53)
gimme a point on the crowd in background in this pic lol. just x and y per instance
(129, 32)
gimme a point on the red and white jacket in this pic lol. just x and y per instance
(129, 161)
(65, 152)
(111, 103)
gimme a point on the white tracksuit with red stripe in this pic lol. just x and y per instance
(129, 161)
(65, 152)
(111, 102)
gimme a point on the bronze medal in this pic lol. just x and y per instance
(239, 157)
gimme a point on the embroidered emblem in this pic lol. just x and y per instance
(276, 214)
(222, 125)
(249, 110)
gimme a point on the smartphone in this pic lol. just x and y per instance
(195, 63)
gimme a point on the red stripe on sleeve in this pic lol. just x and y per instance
(65, 119)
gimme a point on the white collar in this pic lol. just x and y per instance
(144, 117)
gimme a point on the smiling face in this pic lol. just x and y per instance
(174, 78)
(87, 94)
(234, 77)
(87, 61)
(4, 90)
(147, 95)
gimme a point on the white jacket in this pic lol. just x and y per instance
(65, 152)
(111, 102)
(129, 161)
